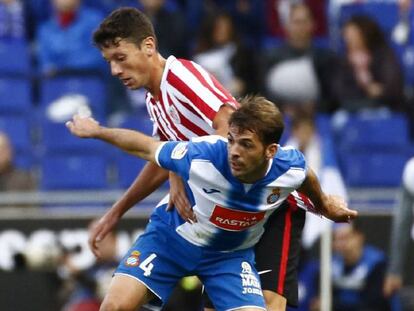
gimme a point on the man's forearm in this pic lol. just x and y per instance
(312, 189)
(149, 179)
(129, 141)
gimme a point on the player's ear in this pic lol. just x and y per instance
(149, 45)
(271, 151)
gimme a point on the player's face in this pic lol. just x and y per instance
(248, 157)
(130, 63)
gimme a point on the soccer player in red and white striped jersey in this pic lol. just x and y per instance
(188, 101)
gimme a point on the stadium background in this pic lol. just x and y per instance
(76, 180)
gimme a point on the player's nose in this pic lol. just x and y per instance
(116, 70)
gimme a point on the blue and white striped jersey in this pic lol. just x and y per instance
(230, 214)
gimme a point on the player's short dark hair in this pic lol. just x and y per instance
(126, 24)
(261, 116)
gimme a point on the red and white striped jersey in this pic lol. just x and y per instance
(189, 99)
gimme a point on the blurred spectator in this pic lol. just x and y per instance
(107, 6)
(401, 31)
(12, 20)
(316, 145)
(65, 39)
(308, 278)
(298, 75)
(248, 18)
(88, 287)
(220, 51)
(369, 74)
(357, 272)
(169, 26)
(11, 178)
(401, 227)
(277, 12)
(403, 42)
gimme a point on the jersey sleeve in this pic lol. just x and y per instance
(296, 163)
(175, 156)
(299, 200)
(198, 89)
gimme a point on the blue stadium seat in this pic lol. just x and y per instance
(14, 58)
(128, 168)
(372, 151)
(56, 138)
(374, 169)
(91, 87)
(18, 130)
(384, 12)
(137, 122)
(15, 96)
(66, 172)
(375, 132)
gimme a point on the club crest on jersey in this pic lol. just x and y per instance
(179, 151)
(133, 259)
(274, 196)
(172, 111)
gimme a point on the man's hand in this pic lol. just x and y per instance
(178, 199)
(83, 127)
(392, 283)
(99, 229)
(336, 209)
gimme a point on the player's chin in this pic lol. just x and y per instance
(133, 87)
(236, 173)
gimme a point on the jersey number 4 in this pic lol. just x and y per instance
(147, 265)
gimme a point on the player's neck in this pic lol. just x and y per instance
(154, 86)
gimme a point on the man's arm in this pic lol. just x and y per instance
(327, 205)
(221, 120)
(149, 179)
(129, 141)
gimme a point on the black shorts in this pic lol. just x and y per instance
(277, 253)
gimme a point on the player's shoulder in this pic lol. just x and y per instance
(289, 154)
(181, 65)
(209, 146)
(206, 147)
(210, 139)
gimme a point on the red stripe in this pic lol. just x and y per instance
(190, 125)
(310, 207)
(151, 105)
(188, 107)
(189, 92)
(191, 95)
(292, 202)
(285, 251)
(163, 137)
(229, 98)
(180, 136)
(190, 66)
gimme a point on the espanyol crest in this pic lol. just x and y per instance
(274, 196)
(133, 259)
